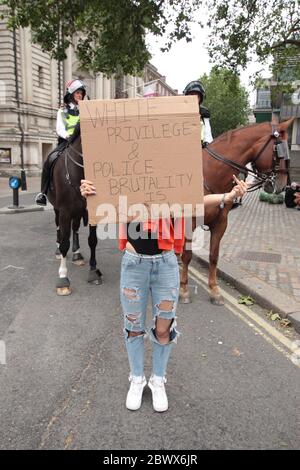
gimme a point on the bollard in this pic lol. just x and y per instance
(15, 184)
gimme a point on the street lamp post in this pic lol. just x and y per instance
(23, 174)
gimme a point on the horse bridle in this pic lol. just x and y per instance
(280, 151)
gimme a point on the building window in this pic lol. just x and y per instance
(263, 99)
(5, 155)
(41, 77)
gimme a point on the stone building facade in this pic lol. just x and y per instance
(32, 89)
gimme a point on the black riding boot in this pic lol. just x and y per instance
(41, 199)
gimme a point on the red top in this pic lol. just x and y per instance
(170, 237)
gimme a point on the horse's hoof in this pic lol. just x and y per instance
(79, 262)
(63, 290)
(185, 300)
(219, 300)
(78, 259)
(95, 277)
(97, 282)
(63, 286)
(184, 297)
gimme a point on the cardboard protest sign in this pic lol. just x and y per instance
(147, 150)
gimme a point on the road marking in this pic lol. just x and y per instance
(11, 266)
(268, 332)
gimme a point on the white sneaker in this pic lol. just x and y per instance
(135, 392)
(159, 396)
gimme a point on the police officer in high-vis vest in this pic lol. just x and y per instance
(196, 88)
(67, 118)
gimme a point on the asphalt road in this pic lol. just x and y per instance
(66, 375)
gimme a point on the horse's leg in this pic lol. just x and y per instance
(63, 283)
(77, 257)
(216, 234)
(57, 252)
(95, 275)
(184, 294)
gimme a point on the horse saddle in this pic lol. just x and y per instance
(53, 157)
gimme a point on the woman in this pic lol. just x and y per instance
(149, 264)
(67, 118)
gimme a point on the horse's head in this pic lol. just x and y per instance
(271, 157)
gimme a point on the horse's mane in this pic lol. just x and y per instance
(228, 135)
(75, 134)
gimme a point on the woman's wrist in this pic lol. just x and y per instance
(228, 197)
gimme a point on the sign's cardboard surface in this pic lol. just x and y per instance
(146, 149)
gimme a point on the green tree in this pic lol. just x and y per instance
(243, 30)
(226, 99)
(112, 32)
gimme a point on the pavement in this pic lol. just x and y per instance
(260, 255)
(233, 378)
(26, 198)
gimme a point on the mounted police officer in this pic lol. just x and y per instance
(196, 88)
(67, 118)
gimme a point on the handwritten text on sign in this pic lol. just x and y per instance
(145, 149)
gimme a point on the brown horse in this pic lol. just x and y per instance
(258, 144)
(70, 208)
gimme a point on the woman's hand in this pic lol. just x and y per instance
(237, 191)
(87, 188)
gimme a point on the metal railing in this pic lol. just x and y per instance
(287, 111)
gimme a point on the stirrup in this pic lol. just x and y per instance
(41, 199)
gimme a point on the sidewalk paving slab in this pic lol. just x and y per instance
(260, 255)
(18, 210)
(265, 295)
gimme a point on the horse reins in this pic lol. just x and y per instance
(68, 156)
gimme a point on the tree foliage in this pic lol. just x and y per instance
(111, 32)
(226, 99)
(242, 30)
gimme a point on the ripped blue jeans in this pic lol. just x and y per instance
(141, 275)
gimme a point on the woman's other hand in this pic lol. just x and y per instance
(87, 188)
(237, 191)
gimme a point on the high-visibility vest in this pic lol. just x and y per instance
(69, 121)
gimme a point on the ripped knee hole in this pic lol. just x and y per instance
(166, 305)
(133, 318)
(130, 293)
